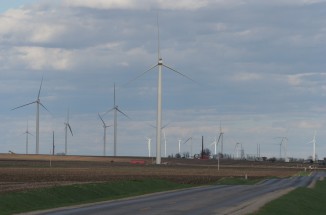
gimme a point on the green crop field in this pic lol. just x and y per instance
(59, 196)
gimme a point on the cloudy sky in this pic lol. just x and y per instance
(258, 66)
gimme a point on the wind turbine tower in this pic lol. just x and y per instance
(149, 146)
(104, 136)
(164, 143)
(27, 133)
(314, 147)
(67, 125)
(38, 103)
(215, 142)
(115, 125)
(179, 151)
(220, 138)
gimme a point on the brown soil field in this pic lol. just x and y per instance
(21, 172)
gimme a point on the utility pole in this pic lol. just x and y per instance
(53, 144)
(202, 147)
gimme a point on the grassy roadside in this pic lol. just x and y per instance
(60, 196)
(299, 201)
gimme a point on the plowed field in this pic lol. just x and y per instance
(21, 172)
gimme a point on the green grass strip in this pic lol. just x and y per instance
(60, 196)
(299, 201)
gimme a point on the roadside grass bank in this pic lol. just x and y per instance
(299, 201)
(60, 196)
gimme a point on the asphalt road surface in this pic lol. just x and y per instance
(215, 199)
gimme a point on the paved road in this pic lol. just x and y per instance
(200, 200)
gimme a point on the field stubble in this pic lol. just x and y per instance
(22, 172)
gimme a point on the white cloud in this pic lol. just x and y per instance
(39, 58)
(151, 4)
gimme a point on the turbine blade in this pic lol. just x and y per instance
(39, 91)
(108, 111)
(122, 113)
(187, 140)
(70, 129)
(44, 107)
(23, 105)
(101, 119)
(219, 137)
(140, 75)
(158, 40)
(180, 73)
(114, 95)
(166, 125)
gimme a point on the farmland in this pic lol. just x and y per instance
(22, 172)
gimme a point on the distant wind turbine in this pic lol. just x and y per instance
(237, 149)
(220, 138)
(215, 143)
(67, 125)
(164, 143)
(38, 103)
(149, 146)
(115, 110)
(179, 151)
(104, 136)
(313, 141)
(159, 95)
(27, 133)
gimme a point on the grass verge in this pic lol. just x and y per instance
(60, 196)
(299, 201)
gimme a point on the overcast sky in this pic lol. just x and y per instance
(259, 68)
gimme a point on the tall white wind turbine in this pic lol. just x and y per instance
(104, 136)
(38, 103)
(27, 133)
(160, 65)
(115, 110)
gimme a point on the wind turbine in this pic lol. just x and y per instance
(104, 137)
(115, 110)
(67, 125)
(27, 133)
(215, 143)
(38, 103)
(284, 144)
(149, 146)
(313, 141)
(164, 143)
(237, 148)
(179, 151)
(220, 138)
(160, 65)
